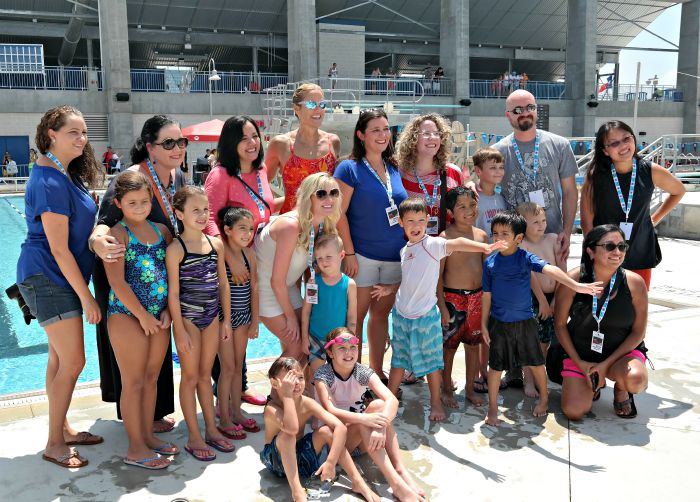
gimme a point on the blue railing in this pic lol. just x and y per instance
(496, 89)
(65, 78)
(155, 80)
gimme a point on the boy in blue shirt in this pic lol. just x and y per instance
(508, 324)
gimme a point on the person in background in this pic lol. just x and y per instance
(106, 157)
(333, 74)
(11, 167)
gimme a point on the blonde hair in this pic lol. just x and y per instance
(529, 209)
(408, 139)
(307, 188)
(301, 92)
(332, 240)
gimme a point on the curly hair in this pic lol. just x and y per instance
(84, 167)
(408, 139)
(307, 188)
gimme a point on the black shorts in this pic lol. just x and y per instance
(514, 344)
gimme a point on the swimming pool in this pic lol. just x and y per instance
(24, 349)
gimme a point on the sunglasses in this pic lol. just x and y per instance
(624, 141)
(622, 247)
(521, 109)
(343, 339)
(169, 144)
(311, 104)
(322, 193)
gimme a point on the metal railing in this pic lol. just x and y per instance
(499, 89)
(161, 80)
(65, 78)
(625, 92)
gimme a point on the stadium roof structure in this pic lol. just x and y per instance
(189, 32)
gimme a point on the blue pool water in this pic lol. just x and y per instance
(24, 349)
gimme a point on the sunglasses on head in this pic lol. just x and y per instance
(521, 109)
(343, 339)
(622, 247)
(322, 193)
(370, 110)
(169, 144)
(311, 104)
(626, 140)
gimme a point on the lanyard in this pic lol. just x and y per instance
(258, 201)
(387, 187)
(625, 207)
(53, 159)
(535, 156)
(599, 318)
(161, 192)
(312, 239)
(430, 201)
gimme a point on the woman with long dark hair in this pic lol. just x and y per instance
(157, 154)
(618, 189)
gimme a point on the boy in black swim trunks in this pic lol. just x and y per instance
(507, 319)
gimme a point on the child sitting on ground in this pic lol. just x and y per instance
(341, 385)
(459, 295)
(507, 322)
(336, 297)
(488, 166)
(547, 247)
(417, 336)
(290, 453)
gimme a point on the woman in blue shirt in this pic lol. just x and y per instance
(372, 190)
(54, 267)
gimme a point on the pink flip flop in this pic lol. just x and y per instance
(233, 432)
(249, 425)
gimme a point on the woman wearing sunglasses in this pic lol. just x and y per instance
(157, 153)
(305, 150)
(285, 249)
(618, 188)
(601, 337)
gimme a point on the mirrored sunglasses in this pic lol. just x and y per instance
(311, 104)
(518, 110)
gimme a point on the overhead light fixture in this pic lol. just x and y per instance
(188, 46)
(216, 31)
(242, 32)
(479, 45)
(404, 41)
(426, 42)
(380, 39)
(34, 20)
(162, 28)
(189, 30)
(138, 26)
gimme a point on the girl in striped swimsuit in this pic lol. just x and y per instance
(237, 231)
(196, 284)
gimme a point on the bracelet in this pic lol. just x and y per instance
(349, 254)
(91, 241)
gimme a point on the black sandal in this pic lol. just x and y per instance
(619, 406)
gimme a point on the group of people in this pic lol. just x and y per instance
(385, 231)
(508, 82)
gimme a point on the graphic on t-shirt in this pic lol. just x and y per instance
(519, 184)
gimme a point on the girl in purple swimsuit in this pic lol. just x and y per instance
(196, 283)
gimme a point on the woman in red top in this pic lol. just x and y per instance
(305, 150)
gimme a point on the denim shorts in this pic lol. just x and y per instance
(48, 302)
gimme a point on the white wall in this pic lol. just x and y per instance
(343, 44)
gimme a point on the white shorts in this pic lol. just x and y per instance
(373, 272)
(269, 307)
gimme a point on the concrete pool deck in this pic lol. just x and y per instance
(651, 457)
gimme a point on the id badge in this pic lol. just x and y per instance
(537, 196)
(311, 293)
(433, 225)
(258, 230)
(626, 227)
(597, 342)
(392, 214)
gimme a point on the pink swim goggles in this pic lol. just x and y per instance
(343, 339)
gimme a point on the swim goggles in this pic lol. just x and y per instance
(343, 339)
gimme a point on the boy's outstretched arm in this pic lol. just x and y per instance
(558, 275)
(468, 245)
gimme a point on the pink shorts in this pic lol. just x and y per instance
(572, 371)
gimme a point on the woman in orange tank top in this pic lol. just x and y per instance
(305, 150)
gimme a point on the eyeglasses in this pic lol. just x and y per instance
(521, 109)
(343, 339)
(169, 144)
(622, 247)
(311, 104)
(429, 134)
(626, 140)
(322, 194)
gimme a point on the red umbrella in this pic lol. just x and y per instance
(206, 131)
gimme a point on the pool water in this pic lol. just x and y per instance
(24, 349)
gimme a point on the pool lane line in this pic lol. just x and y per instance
(17, 210)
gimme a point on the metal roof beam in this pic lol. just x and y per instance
(639, 26)
(397, 13)
(41, 14)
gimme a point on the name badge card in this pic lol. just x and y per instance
(626, 227)
(433, 225)
(597, 342)
(392, 214)
(537, 196)
(311, 293)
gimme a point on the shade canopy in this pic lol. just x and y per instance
(205, 131)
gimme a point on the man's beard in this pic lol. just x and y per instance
(525, 125)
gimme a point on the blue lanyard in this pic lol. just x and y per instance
(625, 207)
(53, 159)
(430, 201)
(535, 156)
(258, 201)
(387, 187)
(165, 200)
(594, 313)
(312, 239)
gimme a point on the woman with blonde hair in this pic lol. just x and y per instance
(305, 150)
(284, 250)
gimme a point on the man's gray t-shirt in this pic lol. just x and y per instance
(557, 162)
(489, 206)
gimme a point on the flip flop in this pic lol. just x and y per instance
(619, 406)
(86, 438)
(254, 399)
(220, 444)
(163, 425)
(202, 458)
(142, 463)
(63, 459)
(596, 394)
(480, 386)
(249, 425)
(233, 432)
(163, 449)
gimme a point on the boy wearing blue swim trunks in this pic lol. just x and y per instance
(417, 331)
(288, 451)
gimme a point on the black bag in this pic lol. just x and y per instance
(442, 222)
(13, 294)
